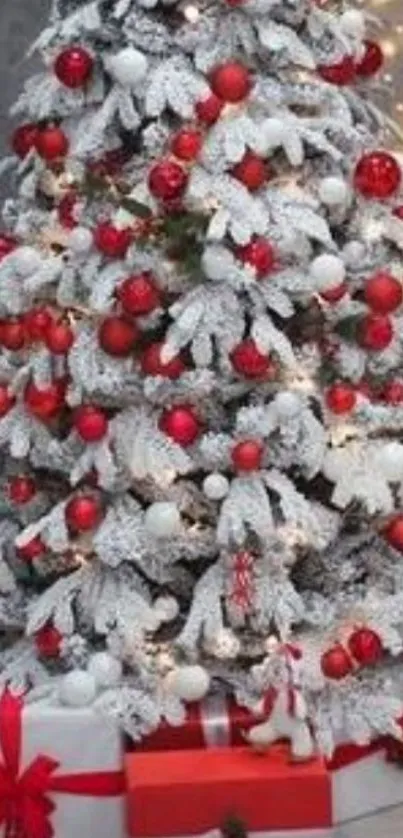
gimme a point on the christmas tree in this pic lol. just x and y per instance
(201, 395)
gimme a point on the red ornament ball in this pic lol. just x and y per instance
(247, 455)
(117, 336)
(13, 334)
(393, 532)
(336, 663)
(341, 398)
(73, 67)
(21, 489)
(151, 363)
(383, 293)
(139, 294)
(32, 550)
(377, 175)
(259, 253)
(371, 61)
(45, 403)
(66, 210)
(209, 109)
(51, 143)
(7, 245)
(48, 642)
(252, 171)
(37, 322)
(341, 73)
(111, 241)
(186, 144)
(82, 513)
(7, 400)
(181, 423)
(375, 332)
(167, 180)
(59, 337)
(392, 393)
(333, 295)
(248, 361)
(90, 422)
(24, 139)
(365, 646)
(231, 82)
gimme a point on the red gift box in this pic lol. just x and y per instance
(190, 792)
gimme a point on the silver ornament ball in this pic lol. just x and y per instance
(216, 486)
(327, 271)
(80, 240)
(190, 683)
(162, 519)
(128, 67)
(77, 689)
(333, 191)
(166, 608)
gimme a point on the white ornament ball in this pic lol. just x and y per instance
(128, 67)
(287, 405)
(216, 486)
(327, 271)
(26, 260)
(352, 22)
(80, 240)
(77, 689)
(353, 254)
(389, 460)
(190, 683)
(272, 132)
(105, 669)
(162, 519)
(226, 645)
(333, 191)
(166, 608)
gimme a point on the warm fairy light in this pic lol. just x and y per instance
(191, 13)
(389, 48)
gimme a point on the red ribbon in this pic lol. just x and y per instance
(25, 805)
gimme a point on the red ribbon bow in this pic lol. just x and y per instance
(25, 805)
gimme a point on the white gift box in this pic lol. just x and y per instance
(365, 786)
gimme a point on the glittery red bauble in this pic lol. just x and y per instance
(394, 532)
(21, 489)
(383, 293)
(247, 455)
(66, 210)
(167, 180)
(377, 175)
(208, 110)
(51, 143)
(341, 398)
(24, 139)
(59, 337)
(342, 73)
(151, 363)
(365, 646)
(186, 144)
(48, 641)
(82, 513)
(392, 393)
(259, 253)
(13, 334)
(117, 336)
(375, 332)
(231, 82)
(333, 295)
(181, 424)
(73, 66)
(248, 361)
(90, 422)
(45, 402)
(336, 663)
(7, 245)
(252, 171)
(371, 61)
(139, 294)
(112, 241)
(37, 322)
(7, 400)
(32, 550)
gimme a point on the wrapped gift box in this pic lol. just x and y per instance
(364, 779)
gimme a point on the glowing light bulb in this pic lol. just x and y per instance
(191, 13)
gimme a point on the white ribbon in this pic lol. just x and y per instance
(215, 721)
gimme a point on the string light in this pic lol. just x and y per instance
(191, 13)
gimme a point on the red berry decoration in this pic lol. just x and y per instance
(333, 295)
(248, 361)
(139, 294)
(37, 322)
(21, 489)
(341, 398)
(394, 532)
(252, 171)
(151, 363)
(383, 293)
(208, 110)
(73, 66)
(365, 646)
(167, 180)
(51, 143)
(341, 73)
(186, 144)
(7, 245)
(82, 513)
(377, 175)
(231, 82)
(112, 241)
(117, 336)
(259, 253)
(59, 337)
(181, 424)
(24, 139)
(32, 550)
(13, 334)
(393, 393)
(45, 403)
(91, 423)
(7, 400)
(375, 332)
(247, 455)
(371, 61)
(48, 642)
(336, 663)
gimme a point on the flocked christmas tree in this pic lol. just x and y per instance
(202, 344)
